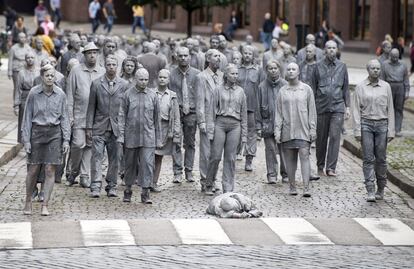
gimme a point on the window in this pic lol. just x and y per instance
(205, 15)
(360, 15)
(167, 12)
(405, 28)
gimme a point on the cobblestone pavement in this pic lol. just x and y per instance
(212, 257)
(343, 196)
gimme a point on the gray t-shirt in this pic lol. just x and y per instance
(109, 7)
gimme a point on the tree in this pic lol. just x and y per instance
(190, 6)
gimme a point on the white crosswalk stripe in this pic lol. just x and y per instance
(388, 231)
(16, 235)
(200, 231)
(293, 231)
(296, 231)
(106, 233)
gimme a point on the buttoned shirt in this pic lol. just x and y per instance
(139, 121)
(267, 94)
(176, 78)
(78, 90)
(249, 80)
(42, 109)
(373, 101)
(295, 113)
(231, 102)
(25, 81)
(331, 83)
(396, 73)
(17, 56)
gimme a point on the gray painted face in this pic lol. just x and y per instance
(49, 77)
(374, 69)
(394, 55)
(292, 71)
(90, 57)
(142, 78)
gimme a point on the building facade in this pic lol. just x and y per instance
(362, 23)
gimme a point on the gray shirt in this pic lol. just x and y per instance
(139, 120)
(295, 113)
(231, 102)
(271, 55)
(396, 73)
(306, 73)
(197, 60)
(17, 55)
(331, 83)
(176, 78)
(45, 110)
(301, 56)
(64, 60)
(25, 81)
(249, 80)
(267, 94)
(78, 88)
(373, 101)
(153, 64)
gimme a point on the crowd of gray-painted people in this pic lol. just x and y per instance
(134, 102)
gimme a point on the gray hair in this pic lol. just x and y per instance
(111, 57)
(273, 62)
(46, 68)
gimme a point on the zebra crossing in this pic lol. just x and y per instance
(264, 231)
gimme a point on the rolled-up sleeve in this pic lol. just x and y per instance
(123, 109)
(64, 120)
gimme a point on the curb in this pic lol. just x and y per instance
(398, 179)
(10, 154)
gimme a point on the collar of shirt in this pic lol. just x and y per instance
(373, 84)
(328, 62)
(253, 66)
(211, 73)
(109, 81)
(39, 90)
(143, 91)
(85, 68)
(273, 83)
(233, 87)
(162, 92)
(184, 73)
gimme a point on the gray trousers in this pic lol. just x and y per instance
(291, 162)
(99, 143)
(251, 144)
(80, 155)
(329, 125)
(205, 144)
(226, 137)
(271, 151)
(14, 77)
(374, 151)
(189, 125)
(398, 95)
(143, 158)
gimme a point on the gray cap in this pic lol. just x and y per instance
(90, 46)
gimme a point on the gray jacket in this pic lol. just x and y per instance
(206, 87)
(267, 94)
(249, 79)
(77, 90)
(331, 86)
(175, 85)
(104, 105)
(138, 119)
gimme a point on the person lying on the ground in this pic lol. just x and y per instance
(233, 205)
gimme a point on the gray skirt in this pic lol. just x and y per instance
(46, 142)
(296, 144)
(167, 147)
